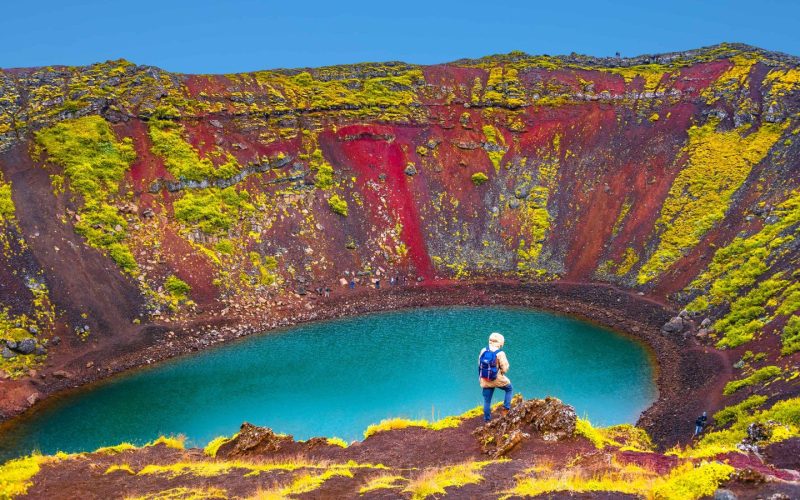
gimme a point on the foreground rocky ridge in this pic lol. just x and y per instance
(145, 214)
(539, 449)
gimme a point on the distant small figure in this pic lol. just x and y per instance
(391, 281)
(352, 284)
(327, 291)
(700, 424)
(377, 284)
(618, 55)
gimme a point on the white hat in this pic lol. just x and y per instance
(497, 339)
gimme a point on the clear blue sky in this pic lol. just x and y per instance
(218, 36)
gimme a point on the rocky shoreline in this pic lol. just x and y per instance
(681, 395)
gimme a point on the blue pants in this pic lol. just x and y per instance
(488, 392)
(698, 429)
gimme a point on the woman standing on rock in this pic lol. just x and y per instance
(492, 368)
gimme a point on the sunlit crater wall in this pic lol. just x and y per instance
(673, 175)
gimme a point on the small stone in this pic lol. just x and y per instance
(26, 346)
(723, 494)
(705, 323)
(8, 353)
(33, 398)
(411, 170)
(90, 364)
(62, 374)
(674, 325)
(4, 375)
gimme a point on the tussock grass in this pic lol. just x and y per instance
(403, 423)
(625, 436)
(434, 481)
(113, 450)
(211, 468)
(16, 475)
(685, 482)
(213, 446)
(382, 482)
(122, 467)
(183, 493)
(335, 441)
(176, 442)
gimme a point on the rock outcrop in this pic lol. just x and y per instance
(549, 418)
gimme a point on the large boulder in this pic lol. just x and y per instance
(26, 346)
(253, 440)
(548, 417)
(674, 325)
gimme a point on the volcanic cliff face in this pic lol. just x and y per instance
(132, 198)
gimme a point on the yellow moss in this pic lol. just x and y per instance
(535, 217)
(733, 79)
(180, 158)
(623, 213)
(739, 264)
(338, 205)
(95, 163)
(790, 337)
(6, 203)
(718, 163)
(504, 88)
(16, 475)
(748, 313)
(741, 410)
(757, 377)
(650, 74)
(624, 436)
(479, 178)
(497, 145)
(783, 81)
(212, 211)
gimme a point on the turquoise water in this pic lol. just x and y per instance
(335, 378)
